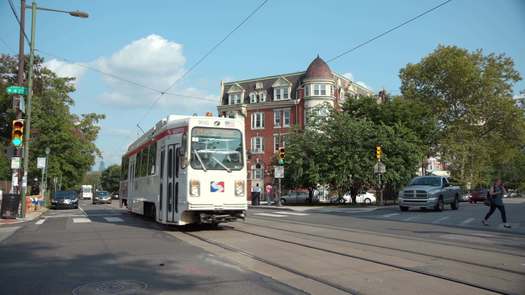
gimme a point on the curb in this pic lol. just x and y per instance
(22, 220)
(271, 208)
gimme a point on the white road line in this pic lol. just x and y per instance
(410, 218)
(81, 220)
(40, 221)
(291, 213)
(390, 215)
(269, 214)
(84, 212)
(113, 219)
(467, 221)
(440, 219)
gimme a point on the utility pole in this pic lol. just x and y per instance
(20, 82)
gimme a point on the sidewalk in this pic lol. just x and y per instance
(322, 209)
(31, 215)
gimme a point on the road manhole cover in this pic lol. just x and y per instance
(116, 287)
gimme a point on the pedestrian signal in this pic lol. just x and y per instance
(379, 152)
(17, 133)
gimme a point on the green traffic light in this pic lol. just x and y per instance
(16, 141)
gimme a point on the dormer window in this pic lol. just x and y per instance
(262, 96)
(234, 98)
(281, 93)
(253, 97)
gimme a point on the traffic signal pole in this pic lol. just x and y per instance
(27, 133)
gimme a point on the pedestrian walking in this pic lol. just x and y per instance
(256, 196)
(495, 200)
(269, 196)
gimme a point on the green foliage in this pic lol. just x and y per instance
(69, 137)
(110, 178)
(479, 127)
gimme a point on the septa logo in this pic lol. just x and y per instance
(217, 186)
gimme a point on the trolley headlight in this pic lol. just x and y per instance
(239, 188)
(195, 188)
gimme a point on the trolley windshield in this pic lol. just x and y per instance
(216, 149)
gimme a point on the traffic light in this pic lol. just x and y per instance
(17, 133)
(378, 153)
(281, 155)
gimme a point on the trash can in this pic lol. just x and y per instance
(10, 204)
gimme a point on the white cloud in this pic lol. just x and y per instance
(349, 76)
(64, 69)
(155, 62)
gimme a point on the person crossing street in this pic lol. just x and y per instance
(495, 200)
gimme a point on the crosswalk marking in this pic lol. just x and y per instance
(410, 218)
(390, 215)
(40, 221)
(467, 221)
(291, 213)
(440, 219)
(113, 219)
(269, 214)
(81, 220)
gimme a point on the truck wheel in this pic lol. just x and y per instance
(440, 205)
(455, 204)
(403, 208)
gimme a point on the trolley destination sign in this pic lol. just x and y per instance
(21, 90)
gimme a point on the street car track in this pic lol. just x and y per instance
(316, 225)
(274, 264)
(384, 247)
(408, 269)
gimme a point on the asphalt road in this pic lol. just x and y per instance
(101, 249)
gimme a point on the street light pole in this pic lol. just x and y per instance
(27, 127)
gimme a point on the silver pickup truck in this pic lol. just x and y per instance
(429, 192)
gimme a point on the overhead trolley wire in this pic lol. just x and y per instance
(18, 20)
(210, 51)
(388, 31)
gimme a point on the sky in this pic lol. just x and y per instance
(154, 43)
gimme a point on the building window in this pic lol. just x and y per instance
(258, 85)
(286, 118)
(257, 120)
(320, 89)
(277, 119)
(281, 93)
(262, 96)
(253, 97)
(234, 98)
(257, 145)
(279, 140)
(306, 90)
(257, 171)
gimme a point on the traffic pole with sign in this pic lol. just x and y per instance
(380, 169)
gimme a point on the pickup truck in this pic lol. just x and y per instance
(429, 192)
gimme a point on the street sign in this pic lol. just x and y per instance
(41, 162)
(379, 168)
(279, 172)
(15, 163)
(16, 90)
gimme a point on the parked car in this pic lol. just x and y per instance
(64, 199)
(102, 197)
(478, 195)
(297, 197)
(362, 198)
(429, 192)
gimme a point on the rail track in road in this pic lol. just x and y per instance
(489, 250)
(274, 264)
(375, 261)
(385, 247)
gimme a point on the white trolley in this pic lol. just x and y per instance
(187, 170)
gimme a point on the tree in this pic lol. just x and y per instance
(110, 178)
(470, 96)
(70, 137)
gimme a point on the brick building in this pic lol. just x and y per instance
(272, 105)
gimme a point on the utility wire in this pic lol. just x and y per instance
(18, 21)
(6, 45)
(121, 78)
(389, 31)
(202, 59)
